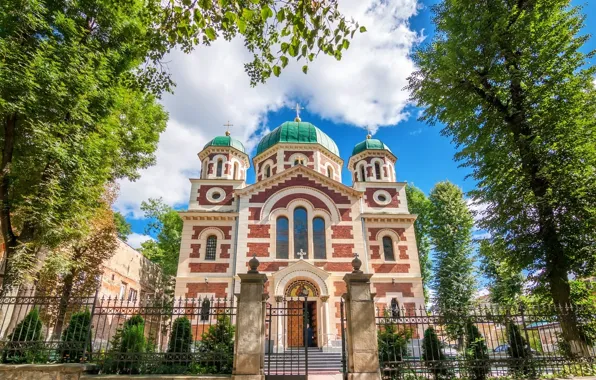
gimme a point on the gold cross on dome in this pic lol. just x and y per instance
(228, 125)
(298, 108)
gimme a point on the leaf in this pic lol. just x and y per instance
(305, 69)
(346, 44)
(362, 29)
(266, 12)
(284, 61)
(276, 70)
(280, 15)
(241, 25)
(210, 32)
(284, 47)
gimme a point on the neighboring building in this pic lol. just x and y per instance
(301, 222)
(128, 275)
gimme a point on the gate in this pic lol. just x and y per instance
(344, 356)
(286, 351)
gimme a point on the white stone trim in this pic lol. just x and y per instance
(211, 191)
(282, 283)
(267, 206)
(378, 193)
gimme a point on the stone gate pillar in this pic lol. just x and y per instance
(361, 342)
(250, 325)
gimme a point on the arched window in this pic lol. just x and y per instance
(282, 238)
(318, 238)
(219, 168)
(299, 161)
(377, 170)
(329, 172)
(267, 171)
(205, 169)
(394, 308)
(205, 309)
(363, 173)
(300, 231)
(211, 247)
(235, 175)
(388, 248)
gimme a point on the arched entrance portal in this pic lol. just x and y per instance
(302, 296)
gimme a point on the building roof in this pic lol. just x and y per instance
(226, 141)
(297, 132)
(369, 144)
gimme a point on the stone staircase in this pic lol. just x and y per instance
(291, 362)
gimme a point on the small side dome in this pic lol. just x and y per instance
(369, 144)
(226, 141)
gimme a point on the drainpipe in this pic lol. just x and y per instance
(235, 247)
(364, 236)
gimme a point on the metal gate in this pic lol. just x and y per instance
(286, 351)
(344, 356)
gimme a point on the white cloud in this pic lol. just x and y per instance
(477, 208)
(364, 89)
(135, 240)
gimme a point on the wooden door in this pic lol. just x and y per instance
(314, 321)
(295, 326)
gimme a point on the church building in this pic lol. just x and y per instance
(301, 222)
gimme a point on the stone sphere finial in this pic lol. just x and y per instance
(253, 264)
(356, 264)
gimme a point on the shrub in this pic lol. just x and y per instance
(25, 343)
(433, 356)
(519, 350)
(127, 348)
(476, 353)
(392, 349)
(217, 348)
(180, 344)
(74, 338)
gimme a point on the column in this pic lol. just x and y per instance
(362, 346)
(325, 324)
(250, 322)
(279, 334)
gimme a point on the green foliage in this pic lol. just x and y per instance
(167, 225)
(519, 350)
(514, 90)
(419, 204)
(127, 348)
(433, 356)
(505, 283)
(123, 228)
(217, 348)
(25, 343)
(477, 358)
(75, 336)
(180, 343)
(392, 347)
(451, 236)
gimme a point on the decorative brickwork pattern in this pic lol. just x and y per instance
(208, 267)
(227, 230)
(225, 201)
(345, 214)
(403, 252)
(254, 213)
(300, 180)
(196, 251)
(316, 202)
(342, 250)
(258, 249)
(375, 252)
(273, 266)
(258, 231)
(340, 288)
(193, 289)
(225, 251)
(370, 200)
(391, 268)
(405, 288)
(372, 232)
(341, 232)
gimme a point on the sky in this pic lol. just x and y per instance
(365, 90)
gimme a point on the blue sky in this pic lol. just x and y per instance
(212, 88)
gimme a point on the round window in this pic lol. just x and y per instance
(216, 195)
(382, 198)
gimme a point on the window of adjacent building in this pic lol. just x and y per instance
(122, 293)
(267, 171)
(132, 295)
(219, 168)
(329, 172)
(282, 238)
(318, 237)
(235, 173)
(211, 247)
(362, 173)
(205, 308)
(377, 170)
(394, 308)
(300, 231)
(388, 248)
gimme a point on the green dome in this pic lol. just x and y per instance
(369, 144)
(226, 141)
(297, 132)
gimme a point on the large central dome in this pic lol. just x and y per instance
(298, 132)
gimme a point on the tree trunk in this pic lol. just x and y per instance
(67, 286)
(8, 236)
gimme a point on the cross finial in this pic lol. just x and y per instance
(301, 253)
(298, 108)
(369, 135)
(228, 125)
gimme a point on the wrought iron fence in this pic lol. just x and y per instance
(133, 336)
(484, 342)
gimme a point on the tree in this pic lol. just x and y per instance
(393, 346)
(476, 353)
(451, 234)
(217, 346)
(510, 84)
(419, 204)
(166, 224)
(25, 342)
(74, 337)
(433, 355)
(79, 82)
(126, 348)
(519, 350)
(505, 283)
(123, 228)
(180, 343)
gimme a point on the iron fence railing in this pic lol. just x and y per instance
(121, 336)
(484, 342)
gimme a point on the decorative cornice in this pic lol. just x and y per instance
(208, 215)
(296, 146)
(373, 217)
(370, 153)
(322, 179)
(224, 149)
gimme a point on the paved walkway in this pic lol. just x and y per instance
(325, 377)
